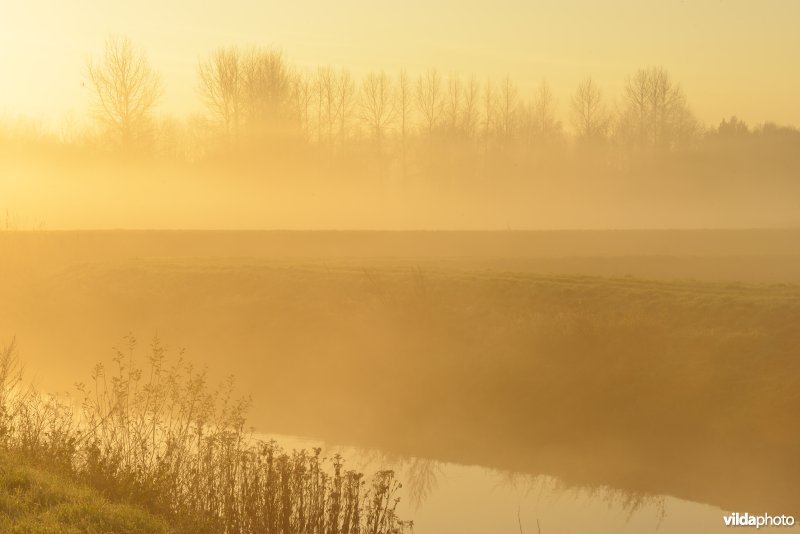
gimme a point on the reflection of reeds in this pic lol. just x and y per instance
(629, 501)
(423, 478)
(160, 438)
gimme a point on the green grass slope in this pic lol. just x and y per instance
(35, 501)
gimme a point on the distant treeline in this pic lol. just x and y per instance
(260, 107)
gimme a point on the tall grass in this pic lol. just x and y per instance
(160, 436)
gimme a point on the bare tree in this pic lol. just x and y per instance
(655, 113)
(544, 122)
(267, 82)
(345, 89)
(377, 105)
(326, 104)
(302, 95)
(126, 89)
(469, 109)
(589, 113)
(452, 105)
(404, 114)
(221, 89)
(429, 99)
(634, 119)
(489, 110)
(507, 110)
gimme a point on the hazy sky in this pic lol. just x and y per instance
(732, 56)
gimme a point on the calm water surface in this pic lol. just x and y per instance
(449, 498)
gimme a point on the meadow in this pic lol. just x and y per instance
(664, 365)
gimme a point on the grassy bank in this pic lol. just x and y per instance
(158, 438)
(38, 501)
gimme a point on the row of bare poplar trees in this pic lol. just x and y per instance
(255, 95)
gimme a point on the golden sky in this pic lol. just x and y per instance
(731, 56)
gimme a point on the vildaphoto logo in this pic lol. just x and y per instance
(746, 520)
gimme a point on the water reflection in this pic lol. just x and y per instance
(422, 478)
(448, 497)
(629, 501)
